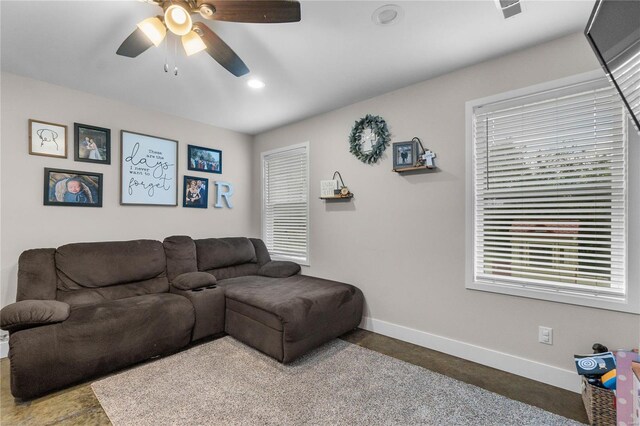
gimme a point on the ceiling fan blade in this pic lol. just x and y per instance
(220, 51)
(135, 44)
(254, 11)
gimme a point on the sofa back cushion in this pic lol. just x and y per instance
(37, 275)
(216, 253)
(104, 264)
(181, 255)
(90, 296)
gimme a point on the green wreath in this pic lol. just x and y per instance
(379, 128)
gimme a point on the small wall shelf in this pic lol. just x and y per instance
(414, 169)
(338, 197)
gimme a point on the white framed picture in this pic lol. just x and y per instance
(148, 170)
(327, 188)
(47, 139)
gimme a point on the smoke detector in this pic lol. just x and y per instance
(388, 14)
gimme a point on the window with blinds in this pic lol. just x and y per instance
(285, 203)
(549, 195)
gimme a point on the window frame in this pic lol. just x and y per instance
(306, 146)
(630, 302)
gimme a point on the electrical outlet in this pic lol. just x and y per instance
(545, 335)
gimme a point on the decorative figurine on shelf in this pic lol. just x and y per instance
(343, 191)
(428, 157)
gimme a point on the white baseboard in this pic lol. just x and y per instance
(4, 349)
(559, 377)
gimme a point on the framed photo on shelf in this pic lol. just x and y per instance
(47, 139)
(202, 159)
(148, 170)
(405, 154)
(195, 190)
(92, 144)
(72, 188)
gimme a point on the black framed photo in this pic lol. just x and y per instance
(405, 154)
(194, 192)
(92, 144)
(72, 188)
(204, 159)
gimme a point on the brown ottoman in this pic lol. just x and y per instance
(287, 317)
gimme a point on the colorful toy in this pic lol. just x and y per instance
(609, 379)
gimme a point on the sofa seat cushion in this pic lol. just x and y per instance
(97, 339)
(298, 305)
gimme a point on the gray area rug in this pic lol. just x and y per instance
(226, 382)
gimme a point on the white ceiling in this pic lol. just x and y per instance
(334, 57)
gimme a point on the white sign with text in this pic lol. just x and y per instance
(149, 170)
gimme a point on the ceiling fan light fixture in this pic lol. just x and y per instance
(154, 29)
(192, 43)
(178, 20)
(207, 11)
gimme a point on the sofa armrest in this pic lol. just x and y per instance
(32, 313)
(279, 269)
(193, 280)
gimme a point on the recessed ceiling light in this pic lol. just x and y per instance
(388, 14)
(254, 83)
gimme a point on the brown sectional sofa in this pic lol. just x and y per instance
(87, 309)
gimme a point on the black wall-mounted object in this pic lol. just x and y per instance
(613, 32)
(510, 8)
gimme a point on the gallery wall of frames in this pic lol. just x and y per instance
(149, 168)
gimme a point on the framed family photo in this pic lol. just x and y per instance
(148, 170)
(204, 159)
(195, 191)
(92, 144)
(47, 139)
(405, 154)
(72, 188)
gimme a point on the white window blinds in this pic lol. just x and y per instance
(549, 190)
(285, 199)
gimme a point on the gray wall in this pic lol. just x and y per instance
(26, 223)
(401, 239)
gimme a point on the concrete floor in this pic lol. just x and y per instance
(78, 405)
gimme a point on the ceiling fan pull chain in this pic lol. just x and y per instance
(166, 54)
(175, 56)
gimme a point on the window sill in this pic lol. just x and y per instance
(598, 301)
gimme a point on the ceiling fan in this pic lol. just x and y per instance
(197, 36)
